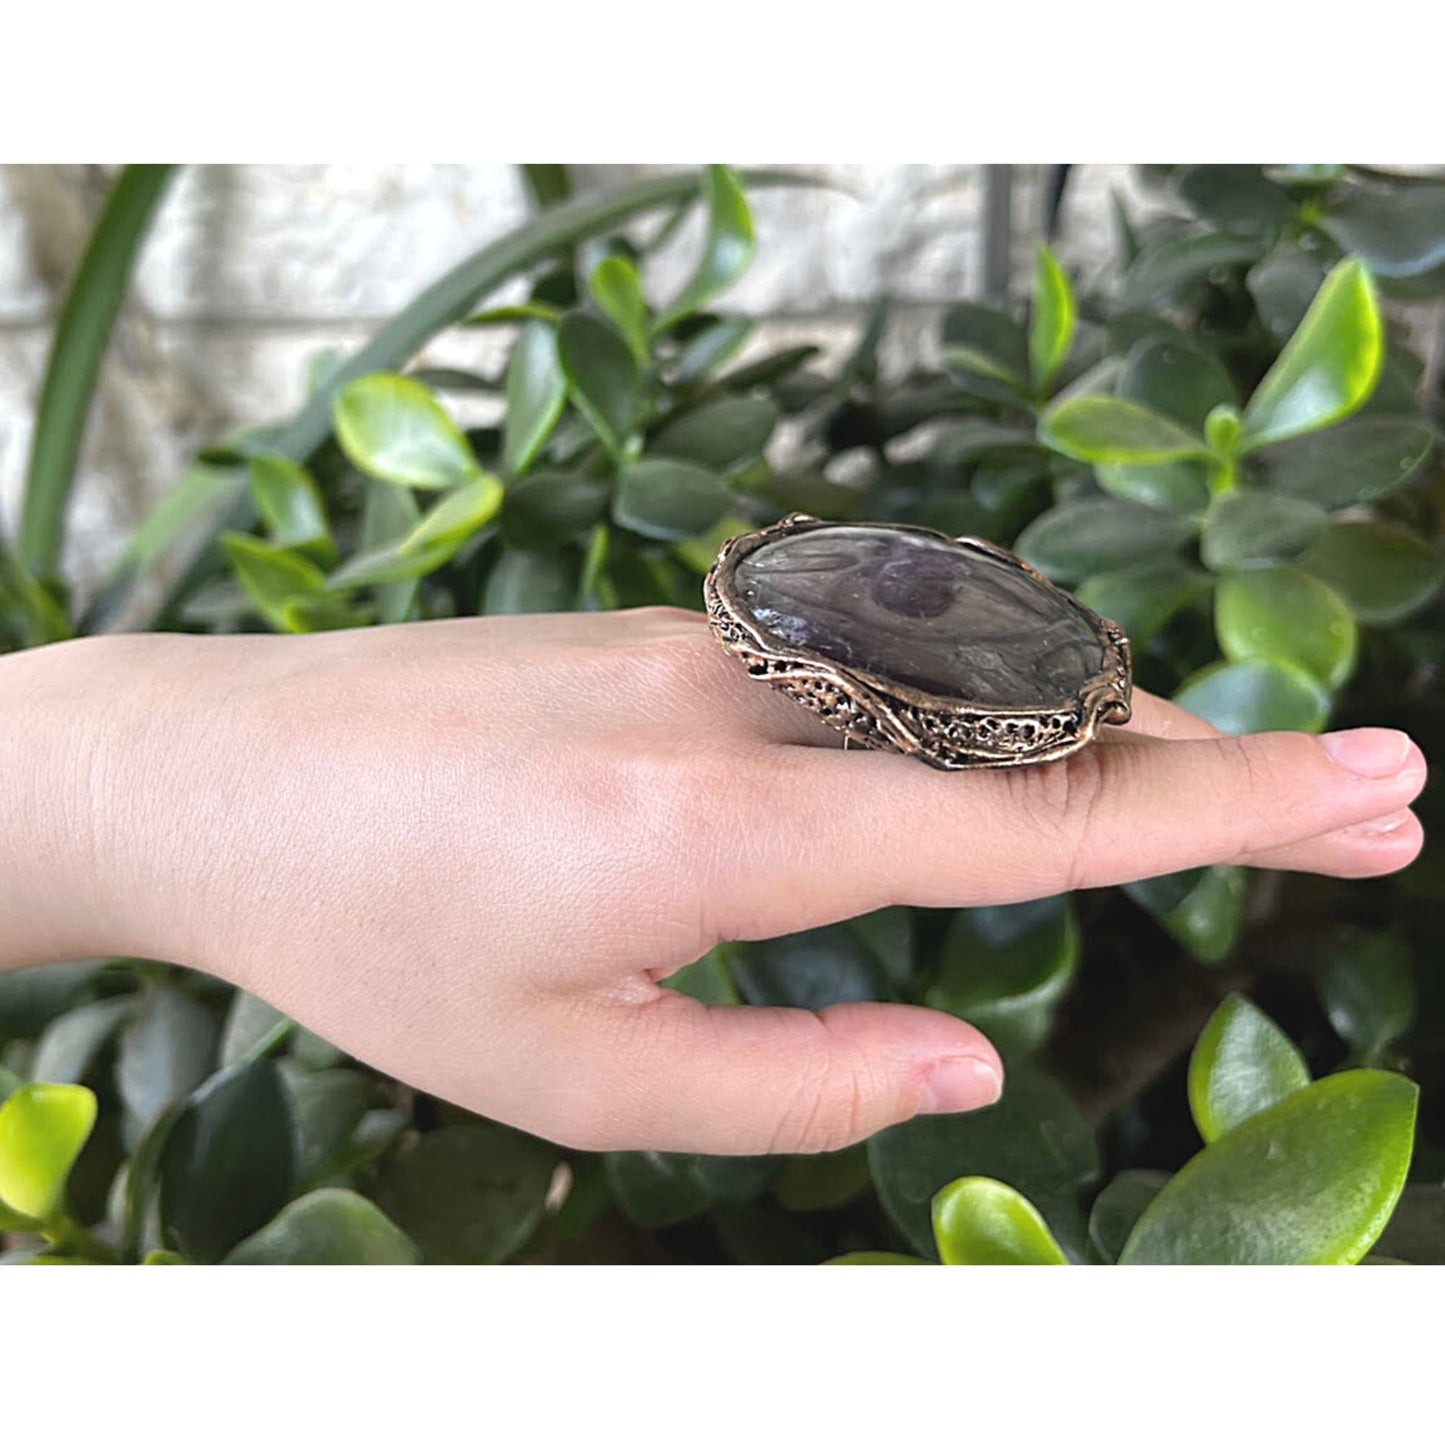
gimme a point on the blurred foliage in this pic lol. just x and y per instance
(1225, 441)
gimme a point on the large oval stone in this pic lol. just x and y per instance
(922, 611)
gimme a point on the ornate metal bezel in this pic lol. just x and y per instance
(876, 712)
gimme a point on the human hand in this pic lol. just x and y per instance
(468, 851)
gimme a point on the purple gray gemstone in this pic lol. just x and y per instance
(922, 611)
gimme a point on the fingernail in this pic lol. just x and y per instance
(1370, 752)
(958, 1084)
(1380, 827)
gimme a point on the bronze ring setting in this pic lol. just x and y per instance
(948, 649)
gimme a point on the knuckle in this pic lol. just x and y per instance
(1062, 803)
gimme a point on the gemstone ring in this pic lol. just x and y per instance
(948, 649)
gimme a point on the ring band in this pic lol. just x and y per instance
(877, 709)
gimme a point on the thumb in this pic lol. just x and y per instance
(675, 1075)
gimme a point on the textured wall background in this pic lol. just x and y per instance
(251, 271)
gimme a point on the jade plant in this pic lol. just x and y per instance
(1224, 439)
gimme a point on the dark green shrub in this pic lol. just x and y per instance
(1225, 443)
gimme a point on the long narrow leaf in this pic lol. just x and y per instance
(80, 340)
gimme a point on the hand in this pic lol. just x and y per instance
(467, 852)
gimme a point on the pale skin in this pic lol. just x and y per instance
(468, 851)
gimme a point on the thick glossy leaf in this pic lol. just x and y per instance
(727, 251)
(1179, 486)
(1179, 382)
(1328, 368)
(392, 428)
(43, 1128)
(1283, 285)
(720, 436)
(229, 1161)
(823, 1181)
(458, 516)
(253, 1030)
(1383, 572)
(1005, 969)
(329, 1226)
(328, 1105)
(536, 394)
(1207, 920)
(877, 1256)
(1033, 1139)
(604, 379)
(1117, 1209)
(1367, 986)
(981, 342)
(1100, 534)
(768, 370)
(983, 1221)
(1399, 230)
(530, 582)
(1144, 597)
(273, 576)
(389, 566)
(615, 287)
(387, 515)
(810, 970)
(1235, 198)
(1263, 695)
(1283, 613)
(656, 1190)
(1310, 1181)
(703, 353)
(469, 1193)
(1416, 1231)
(1169, 270)
(289, 504)
(165, 1052)
(1259, 529)
(1110, 429)
(708, 979)
(546, 508)
(70, 1043)
(1362, 461)
(1242, 1064)
(669, 499)
(1051, 328)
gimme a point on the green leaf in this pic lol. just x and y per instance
(289, 503)
(812, 1182)
(469, 1193)
(1117, 1209)
(387, 515)
(67, 1048)
(1235, 198)
(655, 1190)
(1178, 486)
(166, 1050)
(82, 334)
(1263, 695)
(811, 970)
(727, 251)
(31, 997)
(983, 1221)
(1242, 1064)
(547, 508)
(272, 576)
(1033, 1139)
(669, 499)
(982, 342)
(329, 1226)
(1171, 270)
(456, 518)
(767, 370)
(876, 1256)
(253, 1030)
(1258, 529)
(1399, 230)
(1176, 381)
(1416, 1231)
(604, 379)
(1004, 969)
(720, 436)
(1367, 987)
(1312, 1180)
(1099, 534)
(1208, 919)
(615, 287)
(536, 394)
(228, 1162)
(394, 429)
(701, 354)
(707, 979)
(1328, 368)
(521, 582)
(1383, 572)
(1283, 285)
(1362, 461)
(1285, 614)
(328, 1105)
(43, 1128)
(1145, 596)
(1109, 429)
(1051, 329)
(506, 316)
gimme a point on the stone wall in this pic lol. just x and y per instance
(253, 271)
